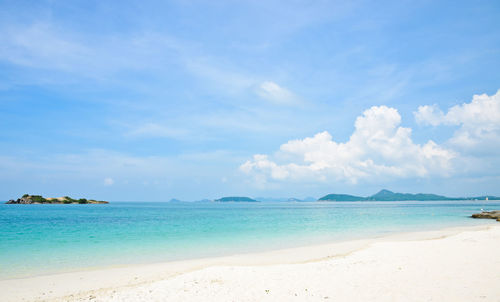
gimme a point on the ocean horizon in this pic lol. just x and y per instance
(48, 239)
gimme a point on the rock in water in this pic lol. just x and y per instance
(488, 215)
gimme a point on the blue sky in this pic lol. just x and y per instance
(131, 100)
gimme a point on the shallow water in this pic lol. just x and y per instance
(43, 239)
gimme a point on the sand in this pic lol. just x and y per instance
(460, 264)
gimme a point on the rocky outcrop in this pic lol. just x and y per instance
(28, 199)
(37, 199)
(488, 215)
(22, 200)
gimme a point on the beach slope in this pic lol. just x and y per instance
(446, 265)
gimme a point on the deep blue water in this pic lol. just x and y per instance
(42, 239)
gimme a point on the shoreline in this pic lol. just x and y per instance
(364, 237)
(100, 281)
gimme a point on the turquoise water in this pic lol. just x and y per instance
(44, 239)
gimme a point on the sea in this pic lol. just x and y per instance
(47, 239)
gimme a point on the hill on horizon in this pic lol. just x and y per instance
(386, 195)
(235, 199)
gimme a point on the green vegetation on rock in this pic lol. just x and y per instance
(386, 195)
(341, 197)
(38, 199)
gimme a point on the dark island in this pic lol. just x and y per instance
(386, 195)
(38, 199)
(235, 199)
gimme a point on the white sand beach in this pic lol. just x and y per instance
(459, 264)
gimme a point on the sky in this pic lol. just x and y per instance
(153, 100)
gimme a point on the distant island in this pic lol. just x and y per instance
(175, 200)
(286, 199)
(235, 199)
(386, 195)
(38, 199)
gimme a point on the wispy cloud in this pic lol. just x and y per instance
(274, 93)
(108, 181)
(165, 83)
(218, 74)
(157, 130)
(40, 46)
(46, 46)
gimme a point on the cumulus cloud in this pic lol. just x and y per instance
(379, 147)
(429, 115)
(478, 121)
(274, 93)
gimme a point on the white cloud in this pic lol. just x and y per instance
(379, 147)
(108, 181)
(39, 46)
(157, 130)
(70, 55)
(51, 47)
(273, 92)
(429, 115)
(219, 75)
(478, 121)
